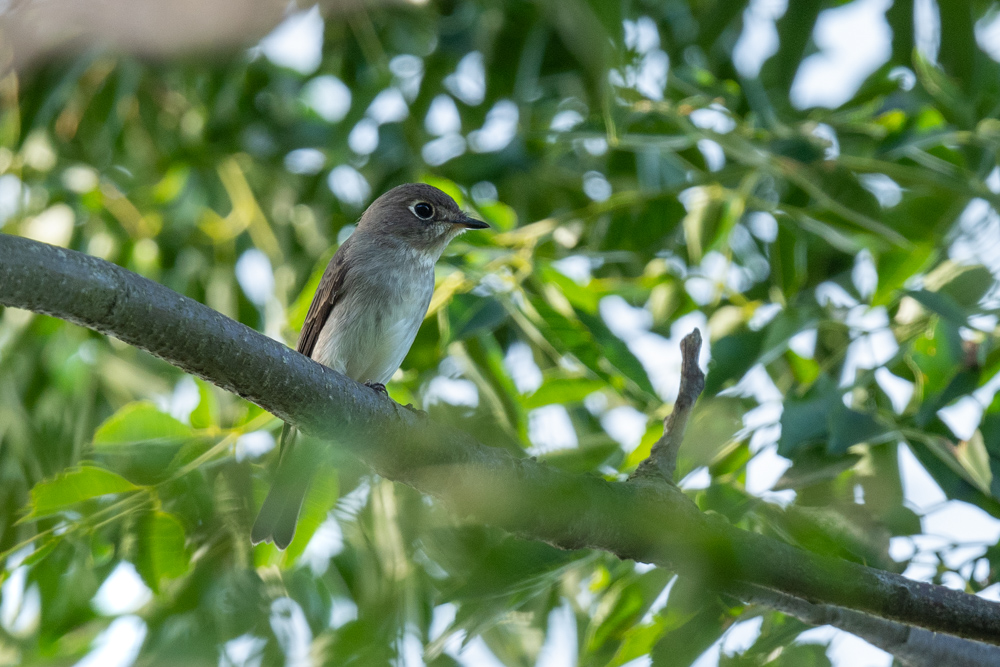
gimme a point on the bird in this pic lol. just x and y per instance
(365, 315)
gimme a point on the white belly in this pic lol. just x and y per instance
(371, 329)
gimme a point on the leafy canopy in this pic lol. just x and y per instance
(640, 182)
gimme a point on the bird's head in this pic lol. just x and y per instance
(418, 215)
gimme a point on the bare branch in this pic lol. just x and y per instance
(645, 522)
(662, 460)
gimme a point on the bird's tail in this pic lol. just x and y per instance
(280, 511)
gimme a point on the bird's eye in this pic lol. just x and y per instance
(423, 210)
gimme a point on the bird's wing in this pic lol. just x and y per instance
(330, 291)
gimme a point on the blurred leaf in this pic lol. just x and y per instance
(502, 217)
(801, 655)
(72, 487)
(813, 466)
(161, 552)
(942, 304)
(206, 414)
(803, 422)
(138, 422)
(969, 286)
(732, 357)
(963, 383)
(896, 267)
(623, 605)
(846, 532)
(714, 422)
(583, 297)
(975, 459)
(471, 315)
(937, 354)
(690, 628)
(849, 427)
(615, 351)
(564, 391)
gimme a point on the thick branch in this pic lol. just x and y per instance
(662, 460)
(645, 522)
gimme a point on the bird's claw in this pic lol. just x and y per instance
(377, 387)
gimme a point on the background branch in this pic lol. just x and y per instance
(914, 647)
(650, 523)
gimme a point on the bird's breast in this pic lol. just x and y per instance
(372, 326)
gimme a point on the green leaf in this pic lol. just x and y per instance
(616, 351)
(74, 486)
(847, 532)
(161, 551)
(732, 357)
(139, 422)
(813, 466)
(500, 215)
(975, 459)
(896, 267)
(969, 286)
(623, 605)
(964, 382)
(637, 642)
(714, 422)
(471, 315)
(802, 422)
(39, 554)
(563, 390)
(937, 455)
(206, 414)
(694, 624)
(582, 297)
(849, 427)
(942, 304)
(937, 354)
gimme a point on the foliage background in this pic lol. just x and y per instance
(641, 180)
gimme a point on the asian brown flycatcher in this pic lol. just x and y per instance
(366, 313)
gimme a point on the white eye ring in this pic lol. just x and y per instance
(422, 210)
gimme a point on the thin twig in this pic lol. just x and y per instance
(662, 460)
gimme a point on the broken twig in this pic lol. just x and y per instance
(662, 460)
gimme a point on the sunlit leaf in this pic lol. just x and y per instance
(564, 391)
(138, 422)
(75, 486)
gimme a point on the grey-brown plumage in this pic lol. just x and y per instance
(365, 315)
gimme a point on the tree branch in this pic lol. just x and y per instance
(649, 523)
(913, 647)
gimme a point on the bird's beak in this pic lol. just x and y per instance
(471, 223)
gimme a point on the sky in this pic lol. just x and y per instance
(853, 41)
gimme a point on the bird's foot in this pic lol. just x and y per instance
(415, 410)
(377, 387)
